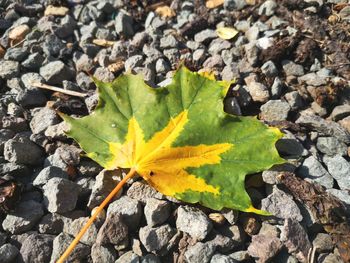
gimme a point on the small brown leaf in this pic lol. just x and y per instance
(56, 10)
(165, 11)
(214, 3)
(103, 42)
(226, 32)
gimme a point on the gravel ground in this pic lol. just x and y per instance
(291, 60)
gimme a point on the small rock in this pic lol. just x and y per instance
(292, 69)
(312, 79)
(269, 69)
(25, 216)
(340, 112)
(234, 4)
(200, 253)
(5, 135)
(156, 211)
(103, 254)
(269, 230)
(222, 243)
(60, 195)
(9, 69)
(193, 221)
(252, 33)
(331, 146)
(199, 55)
(37, 248)
(205, 36)
(47, 173)
(113, 231)
(150, 258)
(213, 62)
(162, 66)
(74, 226)
(141, 191)
(258, 91)
(276, 88)
(124, 24)
(230, 215)
(339, 168)
(294, 99)
(57, 131)
(267, 8)
(270, 176)
(323, 243)
(295, 239)
(55, 72)
(219, 258)
(104, 184)
(8, 253)
(250, 224)
(15, 124)
(281, 205)
(264, 247)
(342, 195)
(51, 224)
(218, 45)
(275, 110)
(156, 239)
(345, 123)
(312, 170)
(240, 256)
(61, 242)
(133, 62)
(128, 257)
(23, 151)
(231, 106)
(52, 46)
(290, 147)
(168, 41)
(42, 119)
(129, 209)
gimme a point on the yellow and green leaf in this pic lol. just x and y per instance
(178, 138)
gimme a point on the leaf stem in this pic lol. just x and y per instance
(76, 240)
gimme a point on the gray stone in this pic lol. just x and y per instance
(295, 239)
(332, 258)
(342, 195)
(16, 124)
(23, 151)
(230, 72)
(61, 242)
(113, 231)
(193, 221)
(212, 62)
(231, 106)
(205, 36)
(292, 69)
(269, 230)
(60, 195)
(64, 157)
(152, 53)
(276, 88)
(156, 211)
(312, 79)
(252, 33)
(5, 135)
(16, 54)
(150, 258)
(267, 8)
(312, 170)
(218, 45)
(251, 53)
(141, 191)
(51, 224)
(57, 131)
(269, 69)
(8, 253)
(240, 256)
(42, 119)
(264, 247)
(162, 66)
(331, 146)
(199, 55)
(124, 24)
(25, 216)
(327, 128)
(84, 81)
(172, 54)
(103, 254)
(47, 173)
(139, 39)
(258, 91)
(290, 147)
(339, 168)
(9, 69)
(33, 61)
(294, 99)
(234, 4)
(129, 209)
(103, 74)
(133, 62)
(275, 110)
(74, 226)
(55, 72)
(168, 41)
(3, 238)
(37, 248)
(323, 243)
(270, 176)
(156, 239)
(200, 253)
(128, 257)
(219, 258)
(281, 205)
(82, 62)
(31, 98)
(52, 45)
(340, 112)
(223, 243)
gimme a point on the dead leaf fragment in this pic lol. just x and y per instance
(214, 3)
(18, 33)
(56, 10)
(2, 52)
(226, 32)
(103, 42)
(115, 67)
(165, 11)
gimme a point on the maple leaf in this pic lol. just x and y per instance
(178, 138)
